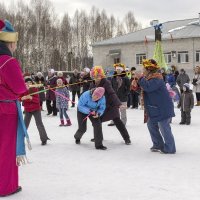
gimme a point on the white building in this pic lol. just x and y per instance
(180, 42)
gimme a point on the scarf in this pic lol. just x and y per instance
(21, 134)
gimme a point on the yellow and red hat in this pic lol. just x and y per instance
(150, 64)
(119, 66)
(97, 72)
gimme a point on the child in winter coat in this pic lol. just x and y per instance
(32, 108)
(91, 105)
(62, 102)
(186, 104)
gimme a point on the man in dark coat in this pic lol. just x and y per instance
(121, 86)
(75, 88)
(112, 102)
(50, 95)
(182, 79)
(86, 80)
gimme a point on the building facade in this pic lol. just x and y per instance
(180, 43)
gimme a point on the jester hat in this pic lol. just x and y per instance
(97, 72)
(150, 64)
(7, 32)
(120, 66)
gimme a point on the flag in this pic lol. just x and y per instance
(145, 40)
(172, 39)
(159, 56)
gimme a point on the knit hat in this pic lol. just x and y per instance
(59, 81)
(52, 71)
(119, 66)
(60, 74)
(7, 32)
(28, 79)
(99, 92)
(182, 70)
(133, 68)
(39, 74)
(150, 64)
(187, 85)
(97, 71)
(86, 69)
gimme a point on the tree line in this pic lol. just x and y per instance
(63, 43)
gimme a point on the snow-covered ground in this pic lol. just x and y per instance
(63, 170)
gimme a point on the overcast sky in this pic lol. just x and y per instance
(144, 10)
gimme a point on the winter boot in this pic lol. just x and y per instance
(68, 122)
(111, 123)
(61, 122)
(44, 142)
(198, 103)
(101, 147)
(155, 149)
(127, 141)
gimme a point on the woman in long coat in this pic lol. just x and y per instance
(12, 85)
(159, 108)
(196, 84)
(112, 102)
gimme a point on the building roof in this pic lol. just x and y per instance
(187, 28)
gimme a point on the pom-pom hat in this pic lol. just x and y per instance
(7, 32)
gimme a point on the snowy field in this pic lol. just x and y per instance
(63, 170)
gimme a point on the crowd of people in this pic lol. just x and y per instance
(101, 98)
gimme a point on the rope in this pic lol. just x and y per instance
(41, 91)
(63, 96)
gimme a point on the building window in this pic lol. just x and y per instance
(197, 56)
(116, 60)
(139, 58)
(168, 57)
(183, 57)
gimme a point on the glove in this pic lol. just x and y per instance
(96, 116)
(20, 160)
(92, 113)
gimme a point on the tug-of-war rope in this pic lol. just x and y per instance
(68, 99)
(80, 82)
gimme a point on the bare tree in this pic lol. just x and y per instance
(130, 22)
(45, 41)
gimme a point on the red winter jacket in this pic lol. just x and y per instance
(34, 103)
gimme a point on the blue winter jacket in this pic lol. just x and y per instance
(170, 78)
(157, 102)
(86, 104)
